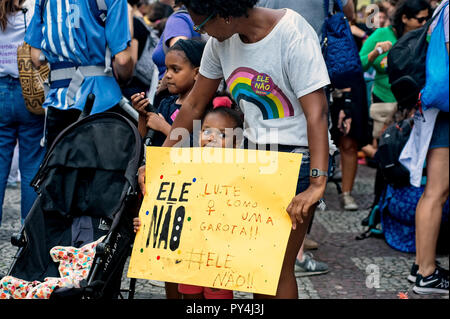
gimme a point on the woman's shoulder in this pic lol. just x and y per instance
(383, 32)
(294, 25)
(180, 16)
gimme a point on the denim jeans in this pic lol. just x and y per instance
(18, 124)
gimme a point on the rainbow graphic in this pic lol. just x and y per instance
(259, 89)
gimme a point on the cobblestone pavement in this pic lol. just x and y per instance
(351, 261)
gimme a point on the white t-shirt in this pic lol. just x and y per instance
(266, 78)
(10, 39)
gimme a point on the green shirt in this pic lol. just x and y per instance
(381, 87)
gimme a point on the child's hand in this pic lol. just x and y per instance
(157, 122)
(136, 224)
(140, 103)
(141, 179)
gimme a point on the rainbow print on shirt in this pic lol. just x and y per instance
(258, 88)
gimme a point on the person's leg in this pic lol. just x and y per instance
(14, 175)
(7, 142)
(287, 285)
(349, 159)
(349, 164)
(31, 154)
(429, 209)
(300, 251)
(8, 134)
(172, 290)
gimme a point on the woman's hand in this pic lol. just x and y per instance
(344, 123)
(380, 48)
(301, 204)
(383, 47)
(140, 103)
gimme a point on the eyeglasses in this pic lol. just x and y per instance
(422, 19)
(199, 28)
(216, 133)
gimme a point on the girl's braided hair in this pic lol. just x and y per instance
(222, 8)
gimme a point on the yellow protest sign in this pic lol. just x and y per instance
(215, 217)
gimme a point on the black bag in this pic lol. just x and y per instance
(406, 66)
(390, 147)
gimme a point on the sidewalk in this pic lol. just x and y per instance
(352, 262)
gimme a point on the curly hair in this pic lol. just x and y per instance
(222, 8)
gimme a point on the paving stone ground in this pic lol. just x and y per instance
(367, 269)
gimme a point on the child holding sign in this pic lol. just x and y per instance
(217, 125)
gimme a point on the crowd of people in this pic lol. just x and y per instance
(175, 62)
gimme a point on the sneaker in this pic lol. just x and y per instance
(348, 202)
(309, 266)
(413, 273)
(436, 283)
(415, 268)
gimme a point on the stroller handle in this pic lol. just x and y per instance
(88, 106)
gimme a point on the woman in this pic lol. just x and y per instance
(16, 122)
(433, 128)
(409, 15)
(250, 46)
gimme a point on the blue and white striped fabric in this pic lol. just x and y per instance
(71, 34)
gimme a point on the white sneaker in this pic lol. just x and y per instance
(348, 202)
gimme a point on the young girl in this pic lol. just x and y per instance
(182, 62)
(214, 133)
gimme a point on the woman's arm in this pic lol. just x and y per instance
(36, 57)
(372, 49)
(315, 107)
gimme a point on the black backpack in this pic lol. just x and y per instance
(390, 147)
(406, 66)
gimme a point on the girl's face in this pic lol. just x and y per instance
(180, 75)
(214, 129)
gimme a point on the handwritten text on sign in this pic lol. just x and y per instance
(220, 225)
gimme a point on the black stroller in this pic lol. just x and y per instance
(87, 188)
